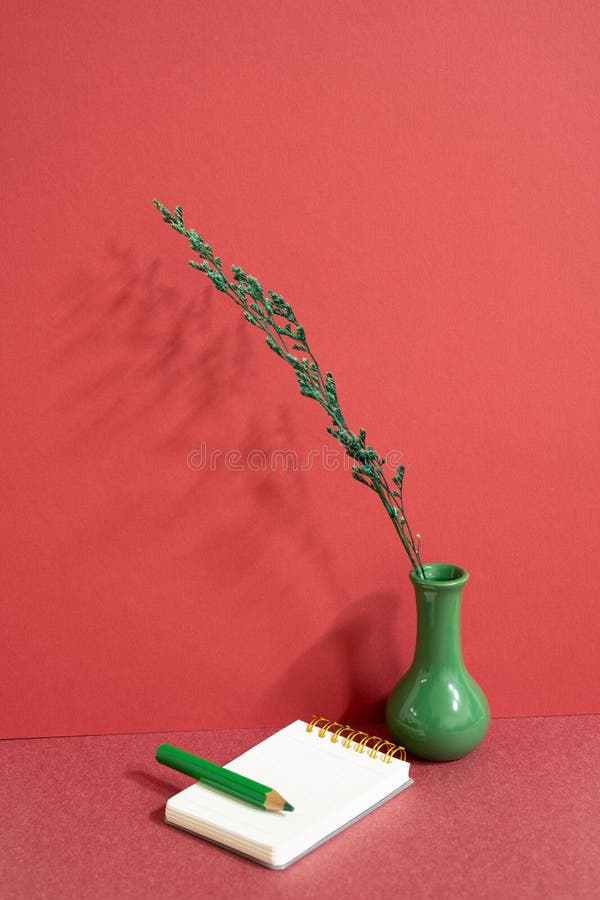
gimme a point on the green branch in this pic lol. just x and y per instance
(286, 337)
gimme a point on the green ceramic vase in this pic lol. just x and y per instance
(437, 710)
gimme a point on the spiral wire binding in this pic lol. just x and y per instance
(349, 736)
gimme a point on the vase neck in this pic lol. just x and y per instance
(438, 626)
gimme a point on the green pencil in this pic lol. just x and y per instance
(222, 779)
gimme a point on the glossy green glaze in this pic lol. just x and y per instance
(437, 710)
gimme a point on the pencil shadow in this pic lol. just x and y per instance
(164, 789)
(159, 786)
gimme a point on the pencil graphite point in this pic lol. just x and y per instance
(288, 807)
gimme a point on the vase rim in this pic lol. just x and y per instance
(441, 574)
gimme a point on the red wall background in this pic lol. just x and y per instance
(420, 180)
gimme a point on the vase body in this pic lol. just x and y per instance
(437, 710)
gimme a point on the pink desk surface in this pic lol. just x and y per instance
(518, 818)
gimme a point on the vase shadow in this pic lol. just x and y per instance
(348, 674)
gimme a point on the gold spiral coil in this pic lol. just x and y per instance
(358, 740)
(338, 733)
(317, 720)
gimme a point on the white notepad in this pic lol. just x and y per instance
(330, 779)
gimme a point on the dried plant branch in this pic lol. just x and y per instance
(283, 334)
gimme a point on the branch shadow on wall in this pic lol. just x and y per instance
(138, 349)
(143, 368)
(141, 365)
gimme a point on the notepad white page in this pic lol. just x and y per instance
(328, 785)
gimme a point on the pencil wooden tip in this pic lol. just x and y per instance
(276, 803)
